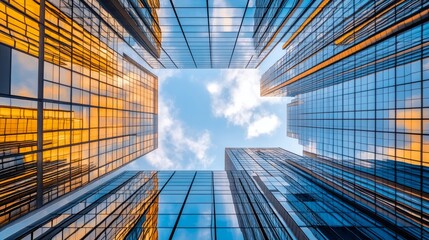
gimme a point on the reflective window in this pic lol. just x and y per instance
(24, 74)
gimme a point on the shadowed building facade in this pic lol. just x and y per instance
(74, 102)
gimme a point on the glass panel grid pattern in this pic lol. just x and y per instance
(360, 106)
(346, 39)
(265, 193)
(165, 205)
(99, 106)
(321, 200)
(208, 34)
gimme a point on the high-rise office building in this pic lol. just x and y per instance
(265, 193)
(75, 99)
(75, 103)
(359, 72)
(338, 41)
(204, 34)
(324, 200)
(162, 205)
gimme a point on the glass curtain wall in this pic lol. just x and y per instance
(73, 104)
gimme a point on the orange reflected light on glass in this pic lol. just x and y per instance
(354, 49)
(344, 39)
(310, 18)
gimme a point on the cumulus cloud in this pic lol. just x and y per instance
(164, 75)
(177, 147)
(263, 125)
(236, 98)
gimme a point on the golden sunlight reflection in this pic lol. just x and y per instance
(408, 143)
(99, 109)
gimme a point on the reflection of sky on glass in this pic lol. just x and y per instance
(209, 203)
(171, 198)
(166, 220)
(225, 208)
(169, 208)
(199, 220)
(229, 233)
(199, 198)
(192, 233)
(217, 33)
(24, 74)
(198, 208)
(227, 221)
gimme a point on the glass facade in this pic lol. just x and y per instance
(206, 34)
(164, 205)
(264, 193)
(344, 40)
(320, 200)
(361, 109)
(75, 103)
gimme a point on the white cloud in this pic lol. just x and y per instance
(236, 97)
(177, 147)
(263, 125)
(222, 17)
(164, 75)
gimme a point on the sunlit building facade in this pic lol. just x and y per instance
(75, 103)
(359, 75)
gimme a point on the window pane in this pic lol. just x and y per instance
(24, 75)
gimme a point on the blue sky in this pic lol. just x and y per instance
(202, 111)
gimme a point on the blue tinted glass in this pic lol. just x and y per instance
(193, 233)
(196, 220)
(166, 220)
(198, 208)
(169, 208)
(229, 233)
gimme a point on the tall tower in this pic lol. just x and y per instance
(75, 103)
(359, 75)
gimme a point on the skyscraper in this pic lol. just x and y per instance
(359, 73)
(161, 205)
(203, 34)
(75, 103)
(319, 199)
(264, 193)
(76, 100)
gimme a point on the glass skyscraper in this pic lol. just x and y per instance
(264, 193)
(162, 205)
(359, 75)
(204, 34)
(76, 100)
(323, 200)
(75, 103)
